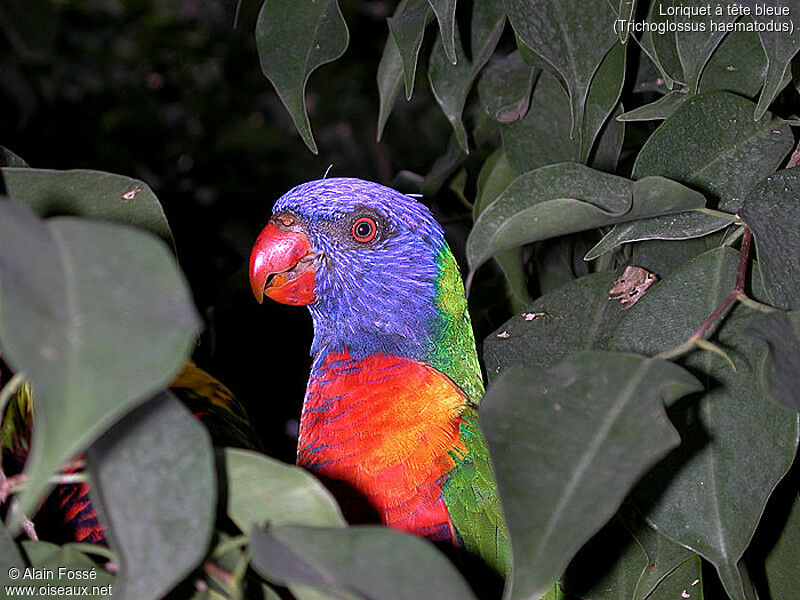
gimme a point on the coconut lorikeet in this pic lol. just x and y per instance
(390, 412)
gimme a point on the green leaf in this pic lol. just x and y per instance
(606, 153)
(92, 194)
(629, 559)
(781, 332)
(738, 65)
(451, 82)
(154, 486)
(708, 495)
(678, 226)
(657, 110)
(686, 578)
(739, 154)
(592, 425)
(372, 561)
(772, 210)
(571, 35)
(625, 12)
(603, 96)
(98, 317)
(407, 28)
(542, 137)
(780, 48)
(263, 490)
(9, 554)
(505, 88)
(783, 577)
(576, 316)
(390, 78)
(566, 198)
(445, 11)
(293, 38)
(44, 555)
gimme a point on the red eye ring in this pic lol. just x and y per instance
(364, 229)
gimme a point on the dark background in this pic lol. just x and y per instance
(170, 92)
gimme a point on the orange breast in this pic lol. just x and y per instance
(387, 428)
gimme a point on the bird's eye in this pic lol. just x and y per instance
(364, 229)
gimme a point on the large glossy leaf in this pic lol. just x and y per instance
(566, 198)
(263, 490)
(708, 495)
(450, 83)
(576, 316)
(154, 486)
(505, 88)
(92, 194)
(738, 65)
(45, 556)
(98, 317)
(294, 37)
(678, 226)
(780, 47)
(568, 443)
(407, 27)
(374, 562)
(781, 332)
(571, 35)
(727, 164)
(772, 210)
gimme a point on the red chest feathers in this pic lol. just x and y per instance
(388, 429)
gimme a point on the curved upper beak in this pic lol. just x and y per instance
(282, 266)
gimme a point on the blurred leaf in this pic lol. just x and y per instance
(593, 424)
(781, 332)
(154, 486)
(738, 65)
(678, 226)
(93, 194)
(727, 164)
(772, 210)
(407, 28)
(708, 495)
(783, 576)
(293, 38)
(566, 198)
(571, 35)
(577, 316)
(451, 82)
(445, 11)
(780, 48)
(657, 110)
(263, 490)
(98, 317)
(9, 554)
(505, 88)
(44, 555)
(603, 96)
(374, 562)
(542, 137)
(9, 159)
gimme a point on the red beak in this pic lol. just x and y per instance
(282, 266)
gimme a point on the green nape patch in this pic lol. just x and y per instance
(454, 353)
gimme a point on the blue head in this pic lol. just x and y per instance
(366, 260)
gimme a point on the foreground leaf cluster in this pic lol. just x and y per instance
(643, 450)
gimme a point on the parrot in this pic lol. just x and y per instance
(389, 420)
